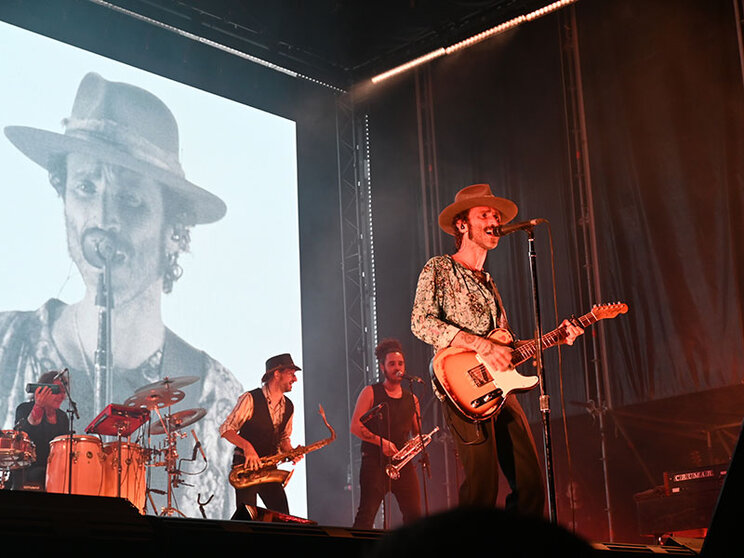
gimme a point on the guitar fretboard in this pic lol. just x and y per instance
(529, 349)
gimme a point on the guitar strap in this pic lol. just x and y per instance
(501, 318)
(485, 285)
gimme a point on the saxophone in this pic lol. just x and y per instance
(408, 452)
(242, 477)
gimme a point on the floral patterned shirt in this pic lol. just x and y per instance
(451, 298)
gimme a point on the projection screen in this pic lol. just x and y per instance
(236, 304)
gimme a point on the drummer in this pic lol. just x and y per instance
(43, 421)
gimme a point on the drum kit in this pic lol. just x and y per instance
(116, 468)
(17, 451)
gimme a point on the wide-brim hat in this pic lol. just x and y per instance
(476, 195)
(278, 362)
(127, 126)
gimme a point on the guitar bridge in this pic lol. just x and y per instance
(498, 393)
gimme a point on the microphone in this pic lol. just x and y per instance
(514, 227)
(198, 446)
(411, 378)
(100, 248)
(366, 417)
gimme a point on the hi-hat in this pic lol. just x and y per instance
(179, 420)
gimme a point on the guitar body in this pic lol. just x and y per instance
(479, 392)
(473, 388)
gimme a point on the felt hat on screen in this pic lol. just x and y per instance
(279, 362)
(476, 195)
(126, 126)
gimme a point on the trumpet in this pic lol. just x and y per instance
(412, 448)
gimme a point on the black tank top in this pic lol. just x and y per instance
(400, 413)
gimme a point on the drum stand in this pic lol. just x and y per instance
(120, 429)
(171, 461)
(163, 394)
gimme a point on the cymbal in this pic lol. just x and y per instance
(154, 398)
(169, 384)
(179, 420)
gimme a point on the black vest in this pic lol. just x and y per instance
(259, 430)
(400, 413)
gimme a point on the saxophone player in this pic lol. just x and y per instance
(384, 418)
(259, 426)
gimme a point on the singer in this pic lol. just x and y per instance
(384, 419)
(42, 419)
(457, 304)
(128, 214)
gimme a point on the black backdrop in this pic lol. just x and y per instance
(664, 121)
(665, 114)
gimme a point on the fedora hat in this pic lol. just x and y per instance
(126, 126)
(476, 195)
(279, 361)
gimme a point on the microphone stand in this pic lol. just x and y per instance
(544, 397)
(103, 356)
(424, 459)
(73, 413)
(383, 462)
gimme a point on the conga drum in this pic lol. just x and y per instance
(133, 481)
(87, 465)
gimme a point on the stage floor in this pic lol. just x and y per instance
(36, 520)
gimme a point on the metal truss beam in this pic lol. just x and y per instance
(357, 262)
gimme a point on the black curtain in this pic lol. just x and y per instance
(664, 113)
(666, 128)
(664, 108)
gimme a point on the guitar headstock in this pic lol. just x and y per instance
(609, 310)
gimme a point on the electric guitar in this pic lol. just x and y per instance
(479, 392)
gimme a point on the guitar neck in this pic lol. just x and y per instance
(528, 350)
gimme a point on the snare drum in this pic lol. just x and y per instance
(133, 481)
(16, 450)
(87, 465)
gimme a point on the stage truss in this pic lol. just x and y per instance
(357, 264)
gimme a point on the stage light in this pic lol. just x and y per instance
(409, 65)
(373, 283)
(485, 34)
(474, 39)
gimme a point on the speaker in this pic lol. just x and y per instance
(245, 512)
(724, 532)
(45, 519)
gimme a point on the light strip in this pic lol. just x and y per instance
(213, 44)
(474, 39)
(408, 65)
(372, 280)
